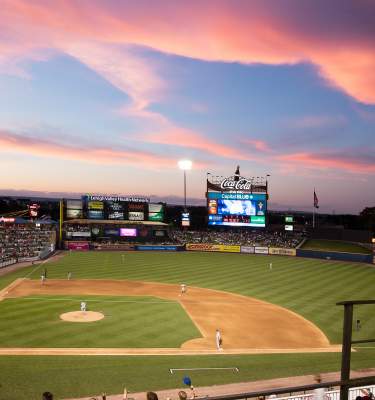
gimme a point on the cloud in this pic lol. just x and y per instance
(258, 144)
(362, 162)
(47, 148)
(181, 137)
(257, 31)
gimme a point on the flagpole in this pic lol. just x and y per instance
(314, 210)
(313, 217)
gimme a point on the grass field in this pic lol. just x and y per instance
(334, 245)
(35, 322)
(308, 287)
(27, 377)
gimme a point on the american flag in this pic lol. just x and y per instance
(316, 201)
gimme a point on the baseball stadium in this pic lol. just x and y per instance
(112, 296)
(187, 206)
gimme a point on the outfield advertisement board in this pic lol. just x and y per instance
(213, 247)
(247, 249)
(282, 252)
(78, 246)
(261, 250)
(158, 248)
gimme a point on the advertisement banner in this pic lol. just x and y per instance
(79, 234)
(282, 252)
(155, 212)
(213, 247)
(158, 248)
(261, 250)
(74, 204)
(114, 247)
(247, 249)
(71, 214)
(77, 245)
(136, 216)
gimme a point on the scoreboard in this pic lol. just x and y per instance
(120, 208)
(237, 209)
(237, 201)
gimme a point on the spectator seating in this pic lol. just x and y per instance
(21, 242)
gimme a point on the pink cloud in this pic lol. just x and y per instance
(259, 145)
(182, 137)
(12, 142)
(250, 32)
(340, 161)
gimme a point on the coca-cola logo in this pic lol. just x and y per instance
(241, 184)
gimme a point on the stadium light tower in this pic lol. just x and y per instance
(185, 165)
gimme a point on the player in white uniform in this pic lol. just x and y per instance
(83, 306)
(218, 339)
(69, 276)
(271, 266)
(43, 279)
(183, 289)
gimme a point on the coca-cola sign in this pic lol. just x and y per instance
(240, 184)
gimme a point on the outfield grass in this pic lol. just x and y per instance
(334, 245)
(308, 287)
(26, 377)
(129, 322)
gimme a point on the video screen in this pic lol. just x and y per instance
(128, 232)
(237, 209)
(115, 210)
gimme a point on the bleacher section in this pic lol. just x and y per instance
(25, 242)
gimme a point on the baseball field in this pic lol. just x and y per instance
(275, 322)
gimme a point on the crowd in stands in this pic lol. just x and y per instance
(25, 241)
(242, 237)
(317, 394)
(261, 238)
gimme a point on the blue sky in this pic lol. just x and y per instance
(109, 100)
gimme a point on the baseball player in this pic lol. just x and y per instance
(43, 279)
(83, 306)
(270, 266)
(218, 340)
(358, 325)
(123, 258)
(69, 276)
(183, 289)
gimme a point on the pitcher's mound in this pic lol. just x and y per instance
(82, 316)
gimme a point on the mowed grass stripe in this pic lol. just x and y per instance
(149, 323)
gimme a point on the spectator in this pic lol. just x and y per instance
(182, 395)
(318, 392)
(152, 396)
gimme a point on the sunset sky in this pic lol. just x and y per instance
(107, 96)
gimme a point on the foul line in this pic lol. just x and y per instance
(236, 369)
(36, 268)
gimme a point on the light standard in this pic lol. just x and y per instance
(185, 165)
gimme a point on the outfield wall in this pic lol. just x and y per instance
(325, 255)
(334, 255)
